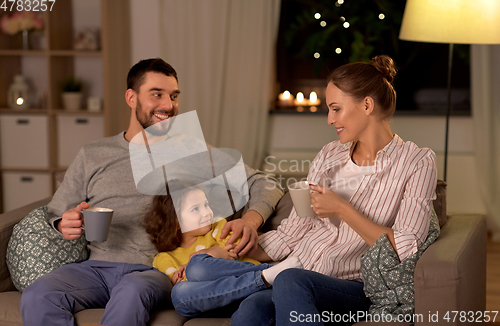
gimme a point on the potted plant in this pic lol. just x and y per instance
(72, 93)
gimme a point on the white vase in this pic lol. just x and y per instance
(72, 101)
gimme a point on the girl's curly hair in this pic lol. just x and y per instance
(162, 225)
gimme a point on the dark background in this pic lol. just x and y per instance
(422, 67)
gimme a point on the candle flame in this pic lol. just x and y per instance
(313, 97)
(300, 97)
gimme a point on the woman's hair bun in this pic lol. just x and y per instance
(385, 65)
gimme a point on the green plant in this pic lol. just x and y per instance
(71, 84)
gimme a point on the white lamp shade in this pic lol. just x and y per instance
(452, 21)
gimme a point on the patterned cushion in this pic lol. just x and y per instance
(35, 249)
(387, 281)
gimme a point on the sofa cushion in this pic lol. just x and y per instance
(440, 202)
(209, 322)
(11, 315)
(166, 317)
(5, 280)
(35, 249)
(9, 308)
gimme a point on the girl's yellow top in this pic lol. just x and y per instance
(170, 261)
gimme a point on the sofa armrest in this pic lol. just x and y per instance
(7, 222)
(451, 274)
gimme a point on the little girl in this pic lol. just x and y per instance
(214, 279)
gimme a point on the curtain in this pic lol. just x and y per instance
(223, 52)
(485, 78)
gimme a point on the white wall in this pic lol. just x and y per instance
(145, 29)
(301, 137)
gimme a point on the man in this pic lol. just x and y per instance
(118, 276)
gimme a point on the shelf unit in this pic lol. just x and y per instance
(45, 68)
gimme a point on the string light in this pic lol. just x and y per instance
(337, 4)
(346, 25)
(323, 23)
(340, 2)
(342, 18)
(317, 15)
(316, 55)
(338, 50)
(381, 16)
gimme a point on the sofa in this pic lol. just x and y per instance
(450, 275)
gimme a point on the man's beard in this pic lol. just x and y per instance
(143, 118)
(156, 129)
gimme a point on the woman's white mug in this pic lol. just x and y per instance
(301, 198)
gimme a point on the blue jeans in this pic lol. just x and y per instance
(297, 294)
(127, 292)
(214, 283)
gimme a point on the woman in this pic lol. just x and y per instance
(373, 183)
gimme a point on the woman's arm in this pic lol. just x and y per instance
(259, 254)
(328, 204)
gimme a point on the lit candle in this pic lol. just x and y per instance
(300, 99)
(313, 99)
(285, 99)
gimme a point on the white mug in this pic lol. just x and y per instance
(301, 198)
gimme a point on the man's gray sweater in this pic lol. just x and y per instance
(101, 175)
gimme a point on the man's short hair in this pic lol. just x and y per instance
(135, 77)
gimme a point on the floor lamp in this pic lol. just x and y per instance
(452, 22)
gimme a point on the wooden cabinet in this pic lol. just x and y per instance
(103, 72)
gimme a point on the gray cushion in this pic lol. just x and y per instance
(35, 249)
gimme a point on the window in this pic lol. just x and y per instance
(316, 36)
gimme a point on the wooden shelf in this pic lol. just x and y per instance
(74, 53)
(102, 70)
(23, 52)
(24, 111)
(59, 111)
(79, 112)
(25, 170)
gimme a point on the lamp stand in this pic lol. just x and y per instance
(448, 109)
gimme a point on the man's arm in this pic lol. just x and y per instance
(71, 193)
(265, 192)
